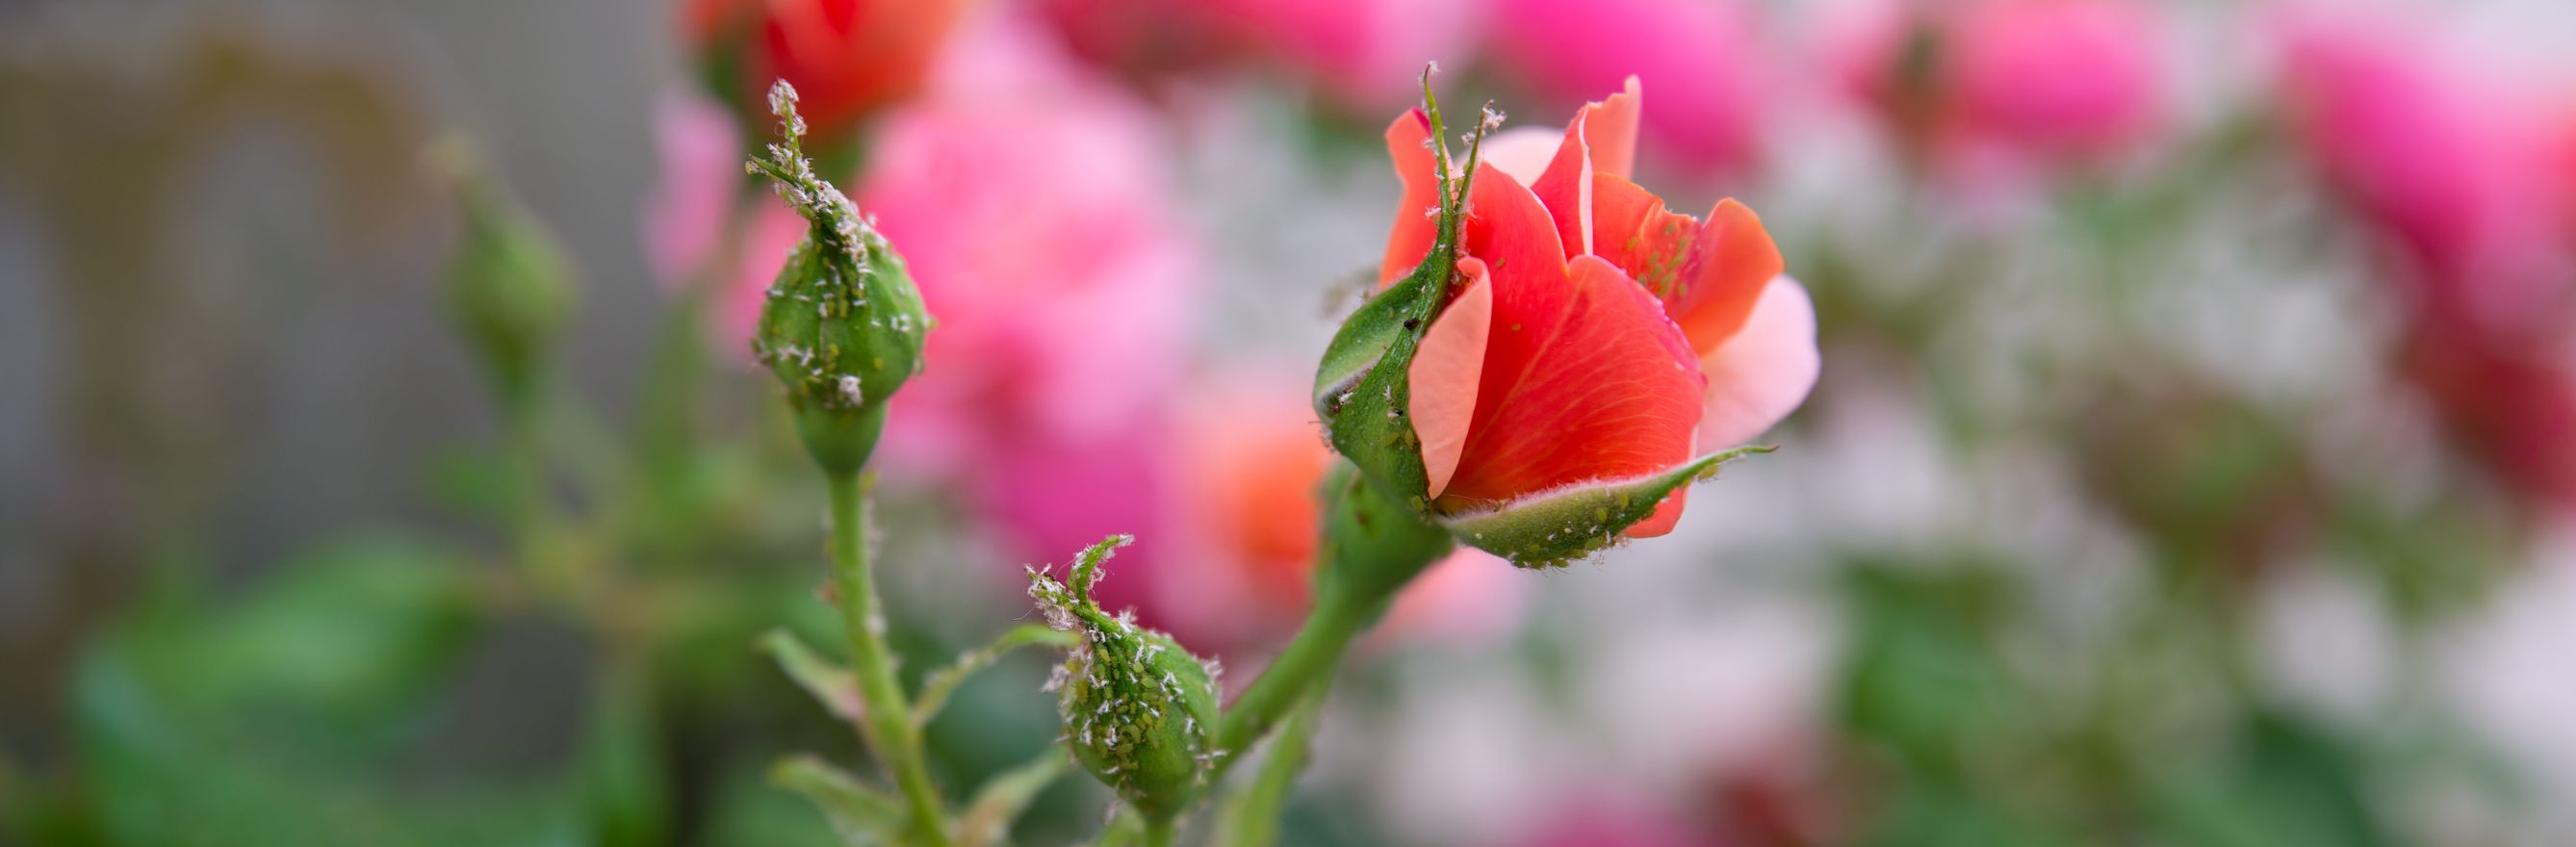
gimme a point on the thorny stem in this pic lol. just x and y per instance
(887, 723)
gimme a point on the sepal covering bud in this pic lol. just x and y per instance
(508, 284)
(843, 325)
(1362, 385)
(1554, 528)
(1137, 708)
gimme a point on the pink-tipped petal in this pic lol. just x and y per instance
(1414, 227)
(1523, 152)
(1445, 373)
(1764, 370)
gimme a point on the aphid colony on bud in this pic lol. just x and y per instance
(843, 324)
(1137, 707)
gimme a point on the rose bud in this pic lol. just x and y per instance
(1553, 343)
(843, 324)
(508, 284)
(1137, 707)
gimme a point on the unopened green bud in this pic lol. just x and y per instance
(1137, 707)
(843, 324)
(508, 283)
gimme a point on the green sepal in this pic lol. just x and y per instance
(1137, 707)
(1362, 385)
(1553, 528)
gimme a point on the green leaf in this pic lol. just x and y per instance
(830, 683)
(862, 815)
(987, 820)
(941, 683)
(1554, 528)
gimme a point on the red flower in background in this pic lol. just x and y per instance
(1595, 329)
(847, 58)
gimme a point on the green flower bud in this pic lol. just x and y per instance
(843, 325)
(1137, 707)
(508, 284)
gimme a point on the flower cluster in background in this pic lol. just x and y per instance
(2175, 410)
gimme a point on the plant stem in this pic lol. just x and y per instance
(1160, 832)
(1307, 664)
(1372, 546)
(1251, 818)
(887, 724)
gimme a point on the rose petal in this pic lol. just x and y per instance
(1601, 139)
(1765, 370)
(1729, 268)
(1524, 152)
(1584, 379)
(1508, 228)
(1633, 230)
(1445, 373)
(1414, 227)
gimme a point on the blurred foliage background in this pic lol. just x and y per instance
(2191, 463)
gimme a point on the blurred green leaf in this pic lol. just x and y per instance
(830, 683)
(862, 815)
(987, 819)
(943, 682)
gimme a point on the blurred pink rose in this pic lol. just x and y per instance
(1614, 822)
(1702, 60)
(1034, 208)
(1367, 54)
(2465, 181)
(1364, 54)
(2001, 86)
(1249, 461)
(2450, 163)
(685, 214)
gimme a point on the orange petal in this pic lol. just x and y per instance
(1508, 228)
(1633, 230)
(1601, 139)
(1729, 266)
(1445, 373)
(1584, 379)
(1414, 226)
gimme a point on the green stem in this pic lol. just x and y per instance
(887, 725)
(1373, 546)
(1251, 818)
(1161, 832)
(1307, 664)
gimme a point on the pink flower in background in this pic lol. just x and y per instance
(2454, 165)
(685, 215)
(1365, 54)
(2463, 178)
(1033, 206)
(1703, 59)
(1997, 86)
